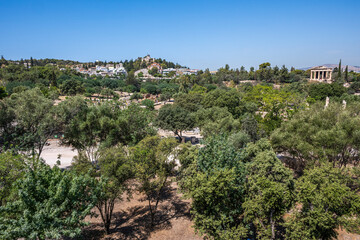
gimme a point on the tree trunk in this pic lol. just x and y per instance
(179, 135)
(151, 213)
(107, 227)
(106, 213)
(272, 222)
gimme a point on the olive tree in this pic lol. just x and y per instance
(175, 119)
(115, 169)
(154, 162)
(33, 122)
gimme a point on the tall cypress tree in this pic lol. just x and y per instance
(52, 78)
(3, 60)
(346, 73)
(339, 70)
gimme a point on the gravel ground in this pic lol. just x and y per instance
(53, 149)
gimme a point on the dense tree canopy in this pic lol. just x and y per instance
(216, 120)
(269, 191)
(331, 134)
(220, 173)
(27, 121)
(326, 202)
(106, 125)
(51, 203)
(238, 186)
(11, 169)
(175, 119)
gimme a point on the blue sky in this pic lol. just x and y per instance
(198, 34)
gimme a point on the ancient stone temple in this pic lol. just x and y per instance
(321, 74)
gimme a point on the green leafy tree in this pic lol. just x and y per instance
(105, 125)
(154, 164)
(187, 155)
(51, 204)
(72, 87)
(7, 126)
(249, 125)
(339, 71)
(175, 119)
(215, 182)
(149, 104)
(96, 126)
(198, 89)
(11, 169)
(108, 93)
(224, 98)
(239, 139)
(34, 117)
(3, 92)
(136, 96)
(131, 80)
(216, 120)
(326, 202)
(346, 77)
(269, 190)
(138, 124)
(52, 77)
(189, 102)
(153, 71)
(274, 105)
(67, 110)
(115, 171)
(264, 72)
(319, 134)
(320, 91)
(167, 93)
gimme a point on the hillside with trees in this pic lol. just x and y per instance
(278, 156)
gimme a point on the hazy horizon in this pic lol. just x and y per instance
(200, 34)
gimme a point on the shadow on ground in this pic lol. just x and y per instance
(134, 222)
